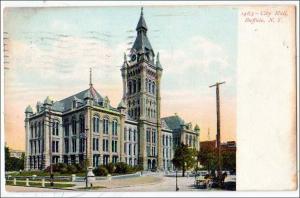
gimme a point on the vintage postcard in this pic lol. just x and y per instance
(148, 97)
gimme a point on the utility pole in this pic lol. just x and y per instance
(218, 130)
(86, 158)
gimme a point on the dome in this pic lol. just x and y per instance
(48, 100)
(122, 105)
(28, 109)
(197, 128)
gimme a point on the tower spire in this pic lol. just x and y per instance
(91, 84)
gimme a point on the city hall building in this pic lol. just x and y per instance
(86, 126)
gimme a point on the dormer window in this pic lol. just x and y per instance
(74, 104)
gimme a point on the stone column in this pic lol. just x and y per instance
(121, 136)
(159, 132)
(89, 135)
(27, 145)
(142, 144)
(47, 140)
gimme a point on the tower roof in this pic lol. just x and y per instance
(141, 43)
(142, 23)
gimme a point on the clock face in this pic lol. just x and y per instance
(133, 57)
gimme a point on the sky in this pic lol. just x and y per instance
(48, 52)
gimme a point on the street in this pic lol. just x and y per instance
(139, 184)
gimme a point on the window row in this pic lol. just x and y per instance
(151, 135)
(134, 86)
(150, 86)
(130, 149)
(130, 135)
(55, 146)
(151, 113)
(37, 146)
(151, 150)
(105, 159)
(167, 140)
(37, 129)
(95, 126)
(190, 140)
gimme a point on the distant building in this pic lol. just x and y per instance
(212, 144)
(85, 125)
(16, 153)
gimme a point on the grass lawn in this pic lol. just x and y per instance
(39, 184)
(43, 173)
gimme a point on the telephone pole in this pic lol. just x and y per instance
(218, 129)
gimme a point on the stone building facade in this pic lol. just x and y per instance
(86, 126)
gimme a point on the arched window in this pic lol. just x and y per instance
(153, 87)
(105, 125)
(74, 130)
(114, 127)
(149, 87)
(96, 124)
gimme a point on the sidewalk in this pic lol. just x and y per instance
(121, 183)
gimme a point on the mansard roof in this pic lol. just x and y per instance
(173, 122)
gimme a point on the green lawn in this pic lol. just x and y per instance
(43, 173)
(39, 184)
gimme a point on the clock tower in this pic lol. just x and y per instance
(141, 92)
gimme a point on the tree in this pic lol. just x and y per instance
(12, 163)
(7, 161)
(184, 158)
(208, 158)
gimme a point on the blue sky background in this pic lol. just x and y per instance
(50, 51)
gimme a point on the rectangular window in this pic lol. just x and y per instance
(66, 145)
(74, 130)
(134, 149)
(74, 145)
(97, 144)
(105, 126)
(56, 150)
(94, 144)
(129, 134)
(53, 146)
(134, 135)
(129, 149)
(148, 135)
(66, 129)
(56, 129)
(105, 145)
(148, 150)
